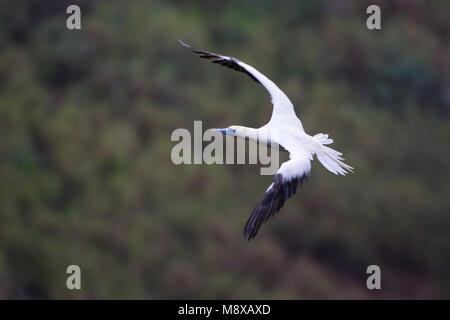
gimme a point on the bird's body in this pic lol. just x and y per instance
(286, 130)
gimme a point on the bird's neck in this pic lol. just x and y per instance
(257, 135)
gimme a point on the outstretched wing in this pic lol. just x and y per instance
(281, 103)
(290, 176)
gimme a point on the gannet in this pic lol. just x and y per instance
(286, 130)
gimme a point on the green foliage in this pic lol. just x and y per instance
(85, 171)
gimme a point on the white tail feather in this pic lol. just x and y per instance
(330, 158)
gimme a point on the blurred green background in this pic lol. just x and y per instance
(85, 170)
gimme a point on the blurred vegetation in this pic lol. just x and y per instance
(85, 171)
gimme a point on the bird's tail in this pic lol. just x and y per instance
(330, 158)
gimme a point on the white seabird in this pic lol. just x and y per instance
(286, 130)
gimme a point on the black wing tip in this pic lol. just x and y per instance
(229, 62)
(202, 54)
(249, 237)
(184, 44)
(249, 233)
(272, 203)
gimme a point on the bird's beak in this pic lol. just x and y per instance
(224, 131)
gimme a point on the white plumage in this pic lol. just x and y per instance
(286, 130)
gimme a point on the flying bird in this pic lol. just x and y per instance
(284, 129)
